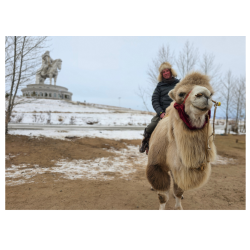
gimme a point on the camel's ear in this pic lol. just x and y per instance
(171, 94)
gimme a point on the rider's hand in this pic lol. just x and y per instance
(162, 115)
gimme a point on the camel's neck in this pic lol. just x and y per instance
(197, 120)
(190, 143)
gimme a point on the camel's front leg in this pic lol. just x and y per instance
(178, 205)
(178, 194)
(159, 179)
(163, 197)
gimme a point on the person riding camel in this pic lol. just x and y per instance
(160, 100)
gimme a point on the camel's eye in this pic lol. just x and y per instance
(182, 94)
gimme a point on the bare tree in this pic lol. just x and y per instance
(239, 101)
(187, 59)
(164, 55)
(21, 59)
(243, 103)
(143, 95)
(227, 91)
(208, 67)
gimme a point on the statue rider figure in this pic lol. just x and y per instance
(46, 64)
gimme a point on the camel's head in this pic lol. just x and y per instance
(196, 90)
(199, 101)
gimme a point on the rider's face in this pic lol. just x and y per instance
(166, 73)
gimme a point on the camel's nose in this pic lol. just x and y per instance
(199, 95)
(202, 94)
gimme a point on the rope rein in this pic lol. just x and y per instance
(207, 148)
(213, 133)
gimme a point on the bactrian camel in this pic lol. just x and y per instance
(181, 147)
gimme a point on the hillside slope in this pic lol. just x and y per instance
(42, 111)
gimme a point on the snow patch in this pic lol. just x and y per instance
(223, 160)
(21, 174)
(123, 165)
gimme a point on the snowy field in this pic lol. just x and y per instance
(41, 111)
(61, 112)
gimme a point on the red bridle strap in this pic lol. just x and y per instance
(186, 97)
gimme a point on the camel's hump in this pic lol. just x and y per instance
(195, 78)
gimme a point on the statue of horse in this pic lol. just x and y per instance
(52, 72)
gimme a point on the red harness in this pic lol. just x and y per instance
(185, 118)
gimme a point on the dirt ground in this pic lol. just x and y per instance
(50, 190)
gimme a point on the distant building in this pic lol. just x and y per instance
(46, 91)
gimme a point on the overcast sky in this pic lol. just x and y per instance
(102, 69)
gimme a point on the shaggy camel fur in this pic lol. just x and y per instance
(176, 150)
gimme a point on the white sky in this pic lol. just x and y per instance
(101, 69)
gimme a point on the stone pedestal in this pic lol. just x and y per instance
(46, 91)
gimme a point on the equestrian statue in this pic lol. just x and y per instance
(49, 69)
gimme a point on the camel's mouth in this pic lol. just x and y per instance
(205, 109)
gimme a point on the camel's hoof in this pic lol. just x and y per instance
(152, 189)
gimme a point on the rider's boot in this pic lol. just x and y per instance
(145, 142)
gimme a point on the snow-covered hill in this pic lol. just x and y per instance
(42, 111)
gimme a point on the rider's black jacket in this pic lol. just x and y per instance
(160, 98)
